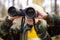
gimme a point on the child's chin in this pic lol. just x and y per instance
(30, 20)
(30, 23)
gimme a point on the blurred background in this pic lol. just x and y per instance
(50, 6)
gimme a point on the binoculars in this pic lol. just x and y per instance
(28, 12)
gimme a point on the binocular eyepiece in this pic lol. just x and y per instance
(28, 12)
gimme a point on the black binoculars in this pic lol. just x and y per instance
(28, 12)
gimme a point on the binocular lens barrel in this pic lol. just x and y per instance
(30, 12)
(12, 11)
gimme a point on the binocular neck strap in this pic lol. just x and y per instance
(34, 22)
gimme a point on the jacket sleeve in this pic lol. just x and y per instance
(5, 26)
(54, 30)
(41, 30)
(50, 20)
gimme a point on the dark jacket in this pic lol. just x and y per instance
(53, 21)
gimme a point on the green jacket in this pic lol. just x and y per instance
(53, 21)
(4, 29)
(8, 33)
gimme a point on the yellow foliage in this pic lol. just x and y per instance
(37, 1)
